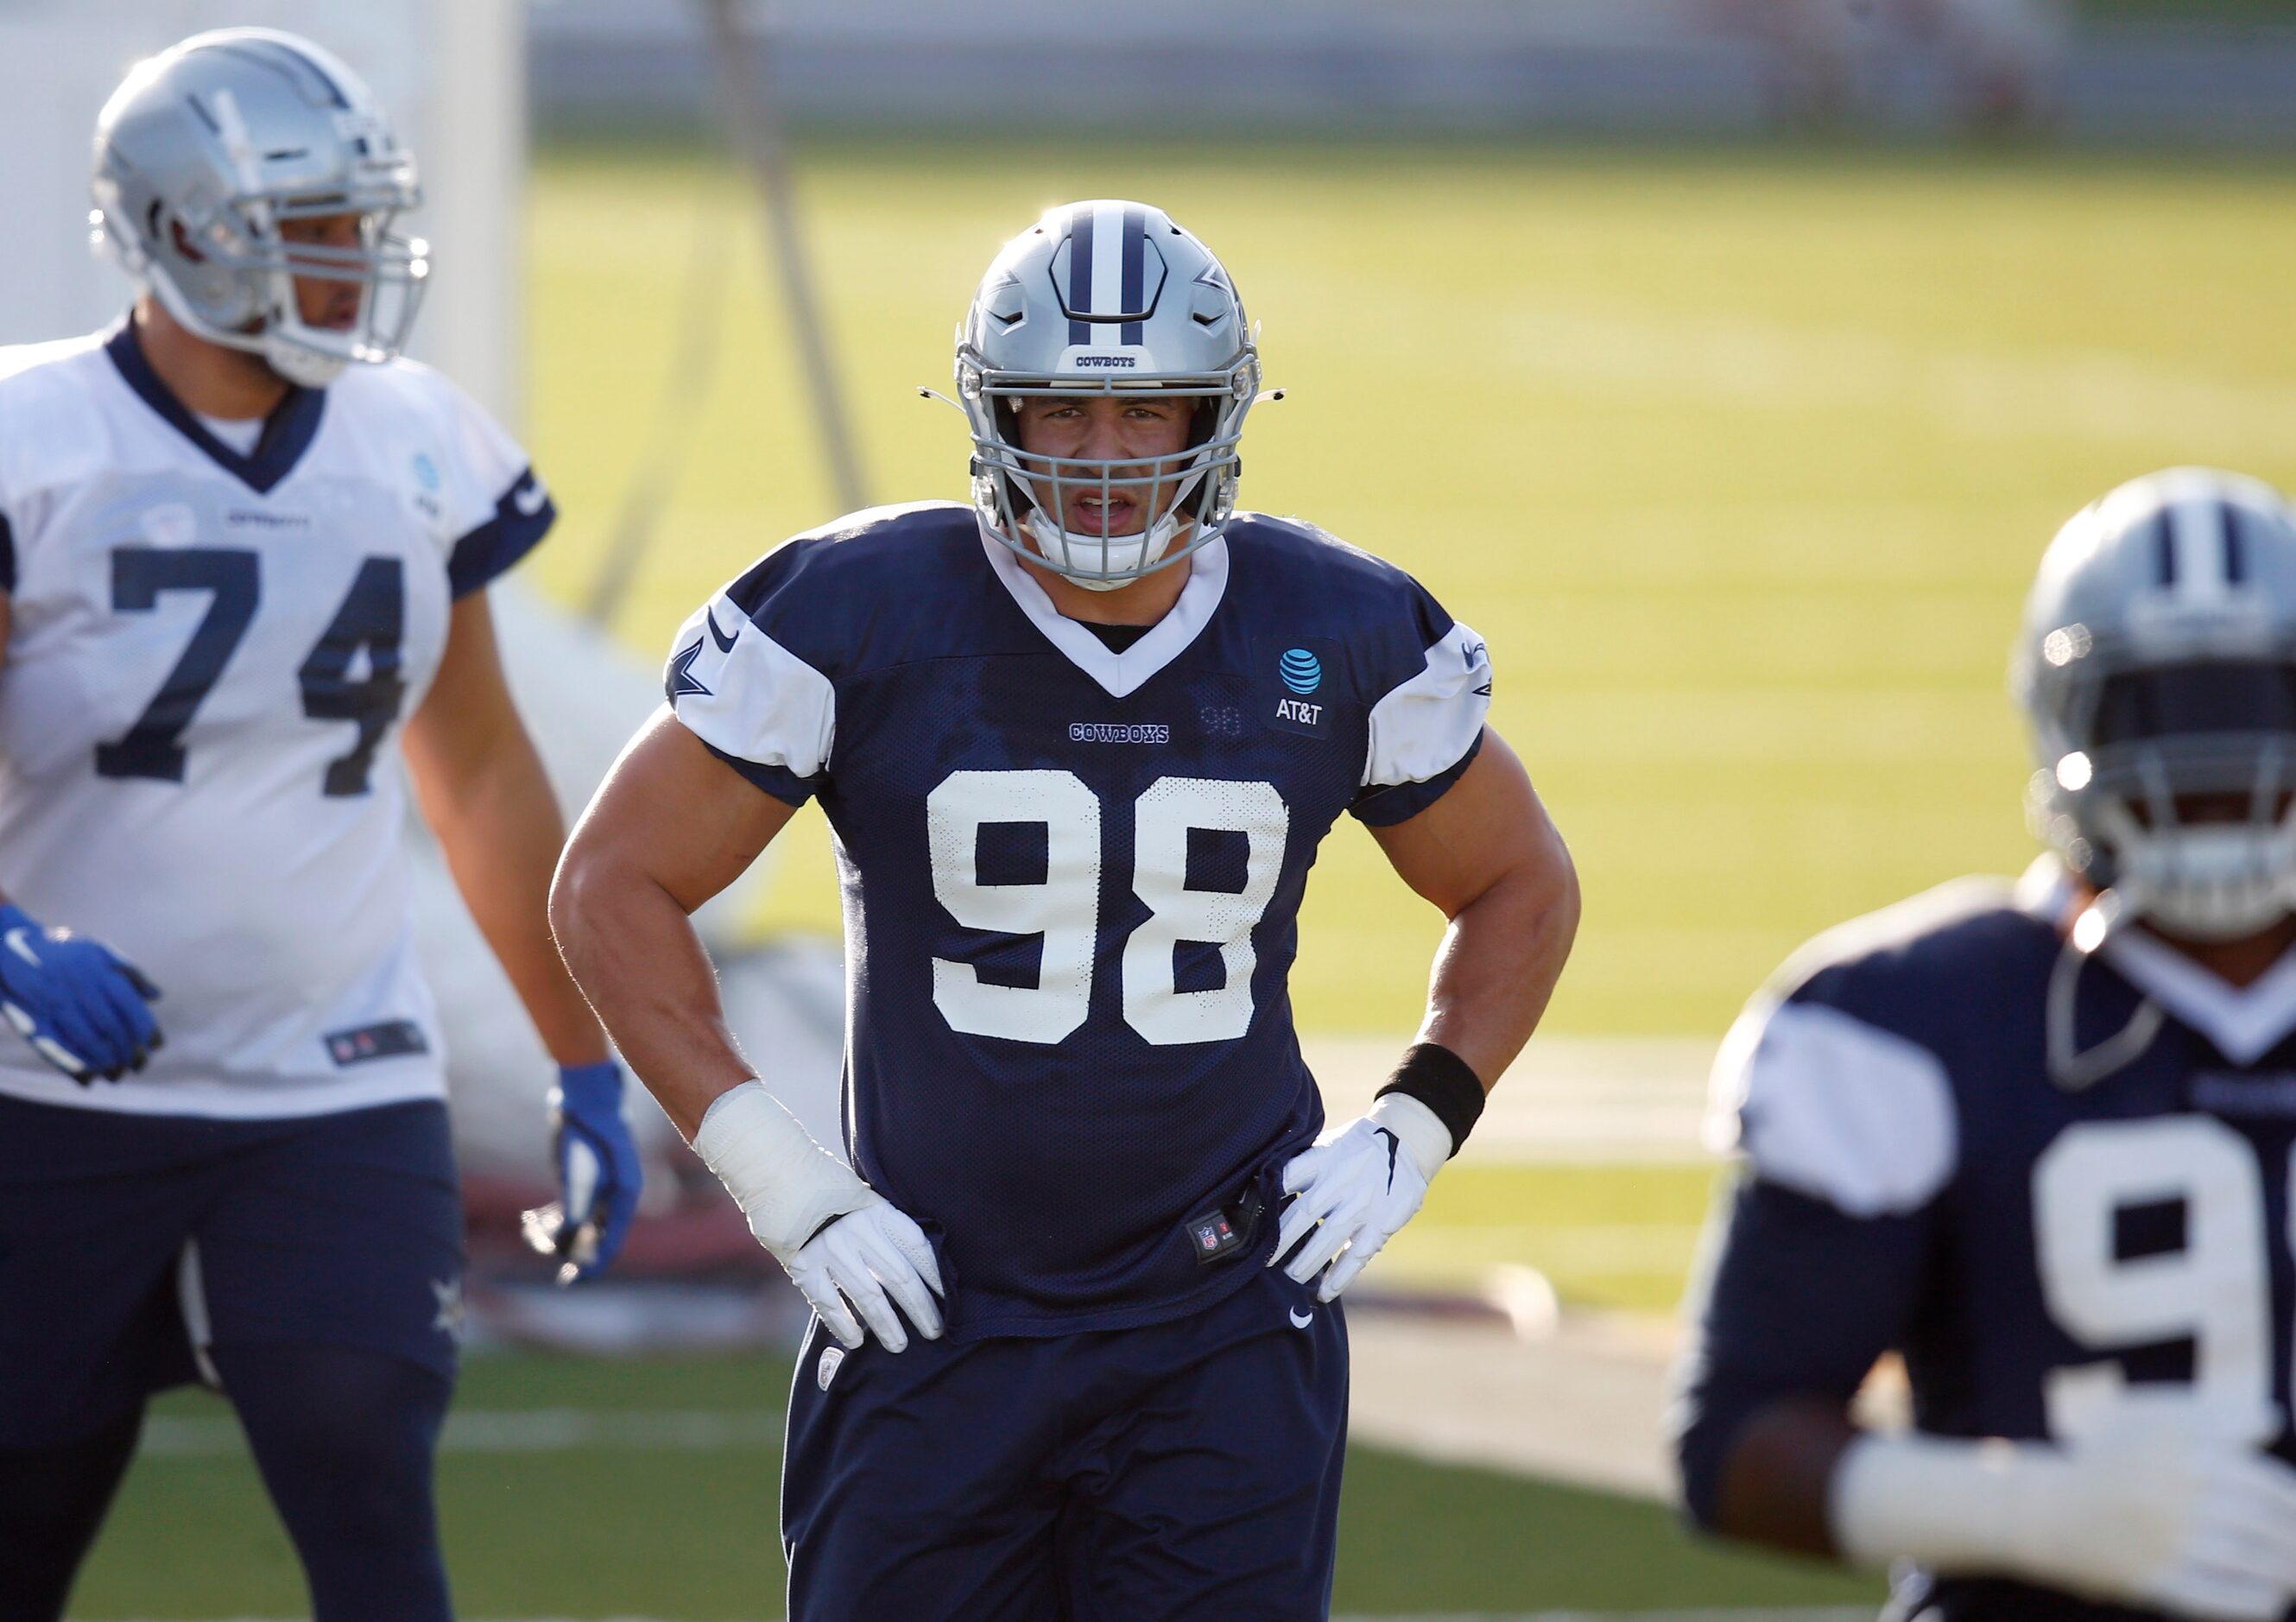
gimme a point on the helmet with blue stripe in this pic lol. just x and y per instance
(1101, 298)
(2156, 669)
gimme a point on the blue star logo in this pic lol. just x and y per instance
(682, 679)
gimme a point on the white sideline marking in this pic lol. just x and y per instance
(537, 1430)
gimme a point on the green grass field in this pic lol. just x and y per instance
(633, 1531)
(1740, 461)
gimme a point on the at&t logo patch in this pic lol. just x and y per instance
(1295, 681)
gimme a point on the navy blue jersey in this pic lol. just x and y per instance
(1072, 875)
(2041, 1254)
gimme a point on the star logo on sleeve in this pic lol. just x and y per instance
(450, 1321)
(682, 679)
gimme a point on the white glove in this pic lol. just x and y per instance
(839, 1238)
(2150, 1512)
(863, 1257)
(1355, 1188)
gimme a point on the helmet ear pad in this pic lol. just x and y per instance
(1020, 501)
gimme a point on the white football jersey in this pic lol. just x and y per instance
(210, 655)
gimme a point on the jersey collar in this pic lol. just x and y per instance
(287, 431)
(1123, 674)
(2244, 1022)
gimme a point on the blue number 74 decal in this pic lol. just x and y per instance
(373, 617)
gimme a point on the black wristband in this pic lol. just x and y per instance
(1445, 1083)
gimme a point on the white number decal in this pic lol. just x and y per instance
(1064, 908)
(2215, 1290)
(1153, 1005)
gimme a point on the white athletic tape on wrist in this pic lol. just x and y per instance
(785, 1181)
(1947, 1504)
(1418, 1128)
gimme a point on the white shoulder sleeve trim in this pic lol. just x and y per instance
(1828, 1106)
(740, 691)
(1423, 727)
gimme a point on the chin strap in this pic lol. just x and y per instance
(1051, 539)
(2069, 1067)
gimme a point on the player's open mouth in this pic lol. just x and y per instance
(1091, 515)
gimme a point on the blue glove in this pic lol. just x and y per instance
(599, 1174)
(84, 1008)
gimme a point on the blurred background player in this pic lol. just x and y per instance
(243, 543)
(2040, 1144)
(1080, 742)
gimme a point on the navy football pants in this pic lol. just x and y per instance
(1186, 1469)
(330, 1258)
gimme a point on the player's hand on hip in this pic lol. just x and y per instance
(82, 1008)
(599, 1174)
(2156, 1512)
(862, 1264)
(854, 1255)
(1353, 1190)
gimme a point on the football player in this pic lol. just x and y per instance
(1078, 742)
(244, 547)
(2038, 1142)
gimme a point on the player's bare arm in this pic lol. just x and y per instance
(670, 827)
(480, 783)
(483, 792)
(1487, 855)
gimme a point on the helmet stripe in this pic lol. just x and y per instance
(1108, 263)
(1079, 272)
(2164, 546)
(2203, 571)
(326, 78)
(2236, 551)
(1135, 270)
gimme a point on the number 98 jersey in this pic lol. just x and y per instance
(209, 655)
(1072, 874)
(2042, 1254)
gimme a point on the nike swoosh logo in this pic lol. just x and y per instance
(724, 643)
(1299, 1319)
(529, 496)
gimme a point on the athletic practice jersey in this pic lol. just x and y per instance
(208, 658)
(2042, 1254)
(1073, 876)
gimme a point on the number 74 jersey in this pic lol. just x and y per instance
(211, 653)
(1072, 874)
(2045, 1254)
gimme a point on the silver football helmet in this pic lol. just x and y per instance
(203, 153)
(2157, 668)
(1106, 297)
